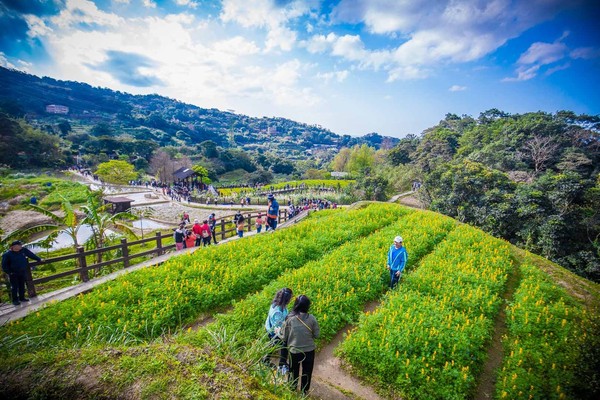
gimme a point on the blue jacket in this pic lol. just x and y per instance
(396, 258)
(273, 208)
(275, 318)
(16, 261)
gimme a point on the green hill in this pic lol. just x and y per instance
(137, 120)
(469, 307)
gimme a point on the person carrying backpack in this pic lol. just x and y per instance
(276, 316)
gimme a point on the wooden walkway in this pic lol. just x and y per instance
(9, 312)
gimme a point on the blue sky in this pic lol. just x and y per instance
(393, 67)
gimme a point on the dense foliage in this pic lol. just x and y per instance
(531, 179)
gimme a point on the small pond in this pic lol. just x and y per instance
(150, 224)
(64, 239)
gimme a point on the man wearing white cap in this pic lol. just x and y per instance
(396, 261)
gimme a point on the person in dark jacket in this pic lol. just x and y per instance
(272, 212)
(212, 224)
(16, 264)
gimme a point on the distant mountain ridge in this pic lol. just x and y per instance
(164, 120)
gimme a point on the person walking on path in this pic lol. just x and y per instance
(197, 229)
(16, 264)
(212, 223)
(300, 330)
(275, 318)
(179, 236)
(240, 226)
(205, 233)
(259, 223)
(272, 212)
(396, 261)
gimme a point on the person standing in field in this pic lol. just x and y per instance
(396, 261)
(277, 313)
(15, 263)
(299, 332)
(272, 212)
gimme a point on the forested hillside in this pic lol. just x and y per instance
(529, 178)
(101, 119)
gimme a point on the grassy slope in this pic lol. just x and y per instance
(164, 369)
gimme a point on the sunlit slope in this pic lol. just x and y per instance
(429, 338)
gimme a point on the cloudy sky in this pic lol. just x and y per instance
(353, 66)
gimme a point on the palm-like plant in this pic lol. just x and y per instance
(101, 222)
(70, 223)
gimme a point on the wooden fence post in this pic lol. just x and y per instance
(158, 244)
(30, 286)
(83, 273)
(249, 222)
(125, 251)
(222, 229)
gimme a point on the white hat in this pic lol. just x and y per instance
(398, 239)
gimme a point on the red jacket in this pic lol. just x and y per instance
(205, 228)
(197, 229)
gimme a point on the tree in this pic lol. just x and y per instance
(361, 159)
(340, 161)
(162, 165)
(202, 172)
(116, 171)
(402, 153)
(209, 149)
(102, 129)
(540, 149)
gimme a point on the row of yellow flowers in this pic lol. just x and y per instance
(339, 284)
(145, 304)
(428, 339)
(547, 331)
(307, 183)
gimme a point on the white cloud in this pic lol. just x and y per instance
(37, 26)
(438, 33)
(543, 53)
(457, 88)
(586, 53)
(78, 12)
(237, 45)
(149, 4)
(339, 76)
(189, 3)
(268, 15)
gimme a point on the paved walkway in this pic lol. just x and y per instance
(9, 312)
(396, 197)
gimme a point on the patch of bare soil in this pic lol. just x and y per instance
(20, 219)
(331, 381)
(411, 201)
(487, 379)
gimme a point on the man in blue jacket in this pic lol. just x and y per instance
(396, 261)
(272, 212)
(16, 264)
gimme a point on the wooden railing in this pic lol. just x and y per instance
(83, 267)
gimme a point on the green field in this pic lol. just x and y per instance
(142, 334)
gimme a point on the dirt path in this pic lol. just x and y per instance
(331, 381)
(487, 379)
